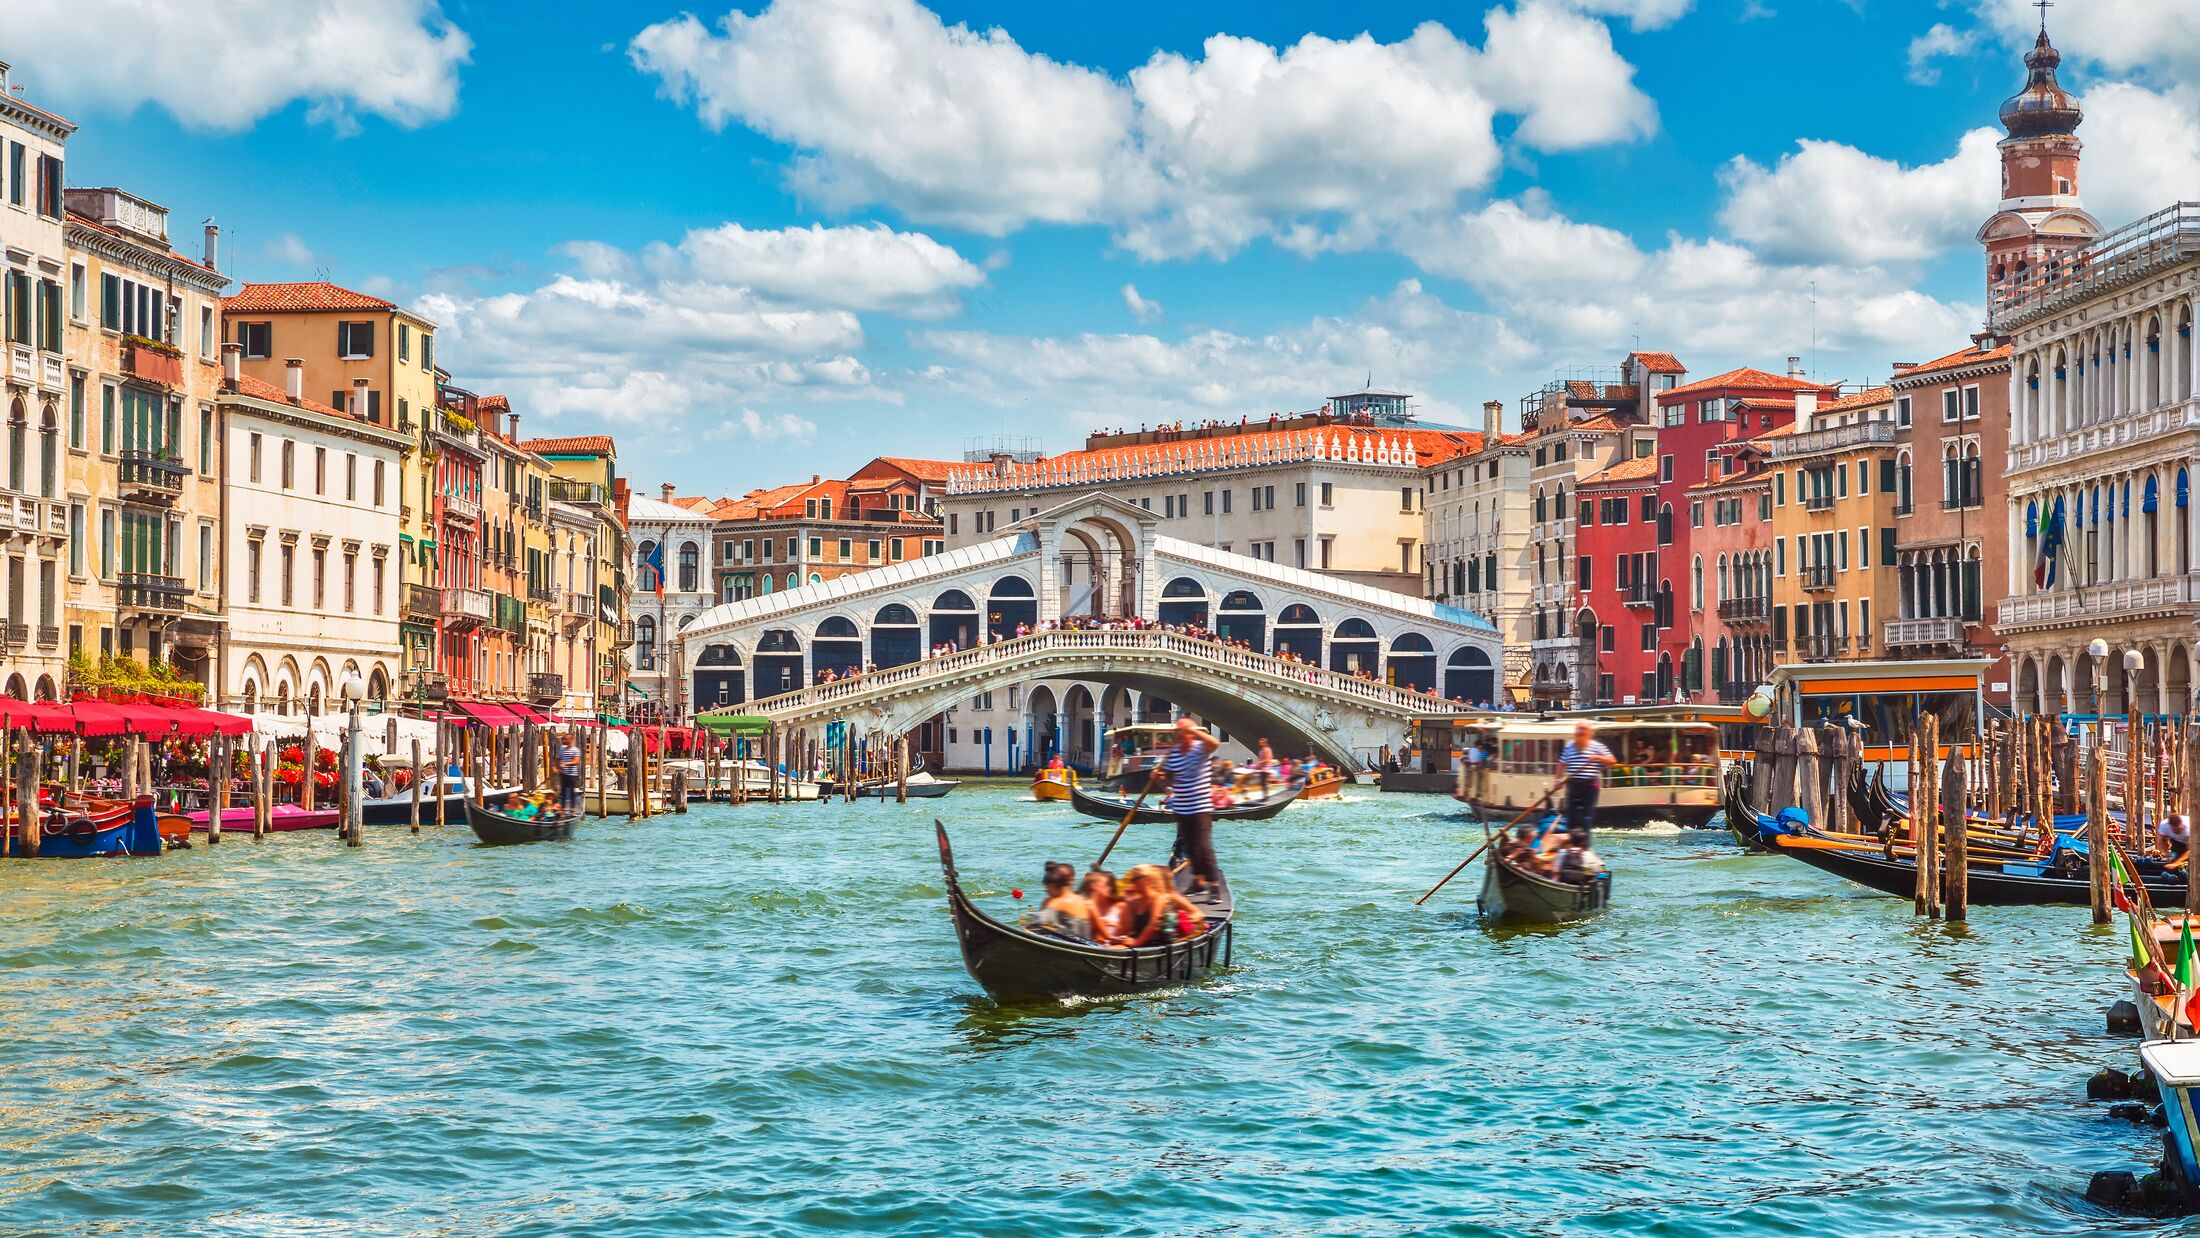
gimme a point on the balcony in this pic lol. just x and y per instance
(151, 362)
(584, 493)
(151, 476)
(1822, 648)
(1905, 508)
(1912, 633)
(1735, 693)
(2129, 254)
(1818, 503)
(2170, 596)
(580, 608)
(422, 602)
(35, 517)
(541, 591)
(1833, 438)
(1954, 503)
(461, 509)
(1818, 578)
(545, 689)
(449, 429)
(466, 609)
(626, 633)
(49, 636)
(2118, 435)
(147, 593)
(1739, 612)
(1639, 594)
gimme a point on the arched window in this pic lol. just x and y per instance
(1723, 594)
(1951, 476)
(644, 574)
(1974, 477)
(48, 453)
(1902, 482)
(17, 418)
(691, 559)
(1695, 585)
(645, 643)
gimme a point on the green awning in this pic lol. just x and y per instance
(746, 726)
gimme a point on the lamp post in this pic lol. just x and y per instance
(353, 690)
(2098, 651)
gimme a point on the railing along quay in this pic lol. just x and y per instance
(816, 696)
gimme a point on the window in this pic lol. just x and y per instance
(320, 472)
(846, 549)
(287, 557)
(1226, 501)
(1951, 406)
(404, 342)
(16, 153)
(1405, 498)
(252, 454)
(817, 547)
(1256, 498)
(1970, 403)
(290, 467)
(252, 569)
(258, 340)
(378, 563)
(354, 341)
(1902, 411)
(133, 308)
(206, 441)
(1329, 496)
(351, 571)
(79, 298)
(76, 412)
(1665, 468)
(49, 186)
(378, 483)
(106, 543)
(320, 575)
(76, 539)
(206, 332)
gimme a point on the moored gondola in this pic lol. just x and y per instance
(1513, 895)
(1741, 819)
(1152, 812)
(1018, 963)
(499, 829)
(2012, 884)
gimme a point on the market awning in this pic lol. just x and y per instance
(485, 712)
(37, 717)
(98, 719)
(525, 713)
(199, 723)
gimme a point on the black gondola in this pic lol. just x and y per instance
(1113, 808)
(1515, 896)
(1987, 886)
(1013, 962)
(1741, 819)
(499, 829)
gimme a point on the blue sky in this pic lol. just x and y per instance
(763, 241)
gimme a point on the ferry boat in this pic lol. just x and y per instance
(1667, 771)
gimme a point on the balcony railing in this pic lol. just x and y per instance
(49, 635)
(1738, 611)
(1735, 693)
(582, 492)
(2093, 604)
(1905, 508)
(149, 593)
(541, 591)
(24, 514)
(155, 363)
(1639, 595)
(1833, 438)
(151, 474)
(461, 507)
(1937, 630)
(2132, 252)
(1818, 578)
(580, 608)
(2116, 435)
(1823, 648)
(545, 689)
(15, 635)
(1818, 503)
(449, 427)
(423, 601)
(466, 608)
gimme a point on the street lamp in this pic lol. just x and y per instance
(353, 690)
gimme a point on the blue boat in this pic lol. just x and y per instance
(2175, 1065)
(81, 838)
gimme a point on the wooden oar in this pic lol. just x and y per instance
(1485, 846)
(1139, 803)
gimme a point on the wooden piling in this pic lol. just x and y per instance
(217, 787)
(308, 794)
(901, 769)
(679, 790)
(1956, 871)
(263, 791)
(412, 812)
(2096, 833)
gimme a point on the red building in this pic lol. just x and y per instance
(1696, 423)
(1620, 605)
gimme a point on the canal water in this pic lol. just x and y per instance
(754, 1021)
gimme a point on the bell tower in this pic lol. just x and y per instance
(2039, 218)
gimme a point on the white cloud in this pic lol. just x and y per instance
(775, 428)
(1141, 309)
(859, 268)
(1942, 40)
(1323, 144)
(291, 249)
(224, 66)
(1640, 14)
(2154, 157)
(2159, 38)
(1827, 202)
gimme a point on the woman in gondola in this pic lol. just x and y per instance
(1155, 914)
(1065, 911)
(1100, 889)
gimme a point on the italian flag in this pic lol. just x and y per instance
(2188, 1000)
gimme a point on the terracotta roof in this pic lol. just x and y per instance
(1601, 424)
(1746, 379)
(1762, 477)
(1774, 432)
(922, 470)
(1515, 440)
(1762, 401)
(1581, 390)
(1862, 399)
(301, 297)
(1957, 360)
(577, 445)
(1659, 362)
(260, 389)
(1641, 468)
(697, 503)
(1335, 442)
(494, 404)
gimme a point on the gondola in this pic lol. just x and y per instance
(1114, 808)
(396, 809)
(1017, 963)
(499, 829)
(1513, 895)
(1741, 819)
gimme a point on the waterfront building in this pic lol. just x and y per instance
(670, 588)
(586, 501)
(1621, 598)
(39, 387)
(375, 360)
(2104, 423)
(310, 545)
(1730, 521)
(1951, 419)
(810, 532)
(1833, 525)
(1476, 529)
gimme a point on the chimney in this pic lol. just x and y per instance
(1795, 367)
(515, 427)
(294, 379)
(1493, 422)
(359, 398)
(666, 491)
(1806, 407)
(232, 365)
(213, 245)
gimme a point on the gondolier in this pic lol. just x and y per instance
(1581, 766)
(1189, 770)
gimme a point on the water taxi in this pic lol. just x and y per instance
(1052, 784)
(1667, 771)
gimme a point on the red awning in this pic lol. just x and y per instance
(39, 717)
(525, 713)
(200, 723)
(98, 719)
(485, 712)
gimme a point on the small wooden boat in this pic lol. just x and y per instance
(1019, 963)
(65, 835)
(1152, 812)
(498, 829)
(1053, 784)
(922, 786)
(282, 819)
(1328, 782)
(1513, 895)
(2009, 884)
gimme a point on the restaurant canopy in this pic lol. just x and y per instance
(95, 719)
(487, 713)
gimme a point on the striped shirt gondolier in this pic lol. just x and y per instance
(1191, 780)
(1586, 763)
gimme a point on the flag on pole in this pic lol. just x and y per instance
(654, 560)
(2050, 539)
(2184, 957)
(2139, 955)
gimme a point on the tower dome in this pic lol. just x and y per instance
(2043, 108)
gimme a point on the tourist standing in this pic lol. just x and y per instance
(569, 775)
(1581, 766)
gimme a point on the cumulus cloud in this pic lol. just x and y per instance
(1827, 202)
(1141, 309)
(2154, 159)
(859, 268)
(224, 66)
(2158, 38)
(1929, 47)
(291, 249)
(1640, 14)
(1322, 144)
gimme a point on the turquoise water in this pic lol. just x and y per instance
(755, 1021)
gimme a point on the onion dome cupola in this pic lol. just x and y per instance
(2043, 108)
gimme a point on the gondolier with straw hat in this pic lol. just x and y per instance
(1581, 766)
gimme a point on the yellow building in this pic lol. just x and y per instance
(584, 500)
(141, 471)
(376, 360)
(1833, 526)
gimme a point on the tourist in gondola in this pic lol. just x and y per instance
(1154, 913)
(1065, 911)
(1576, 863)
(1101, 890)
(1190, 773)
(1581, 766)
